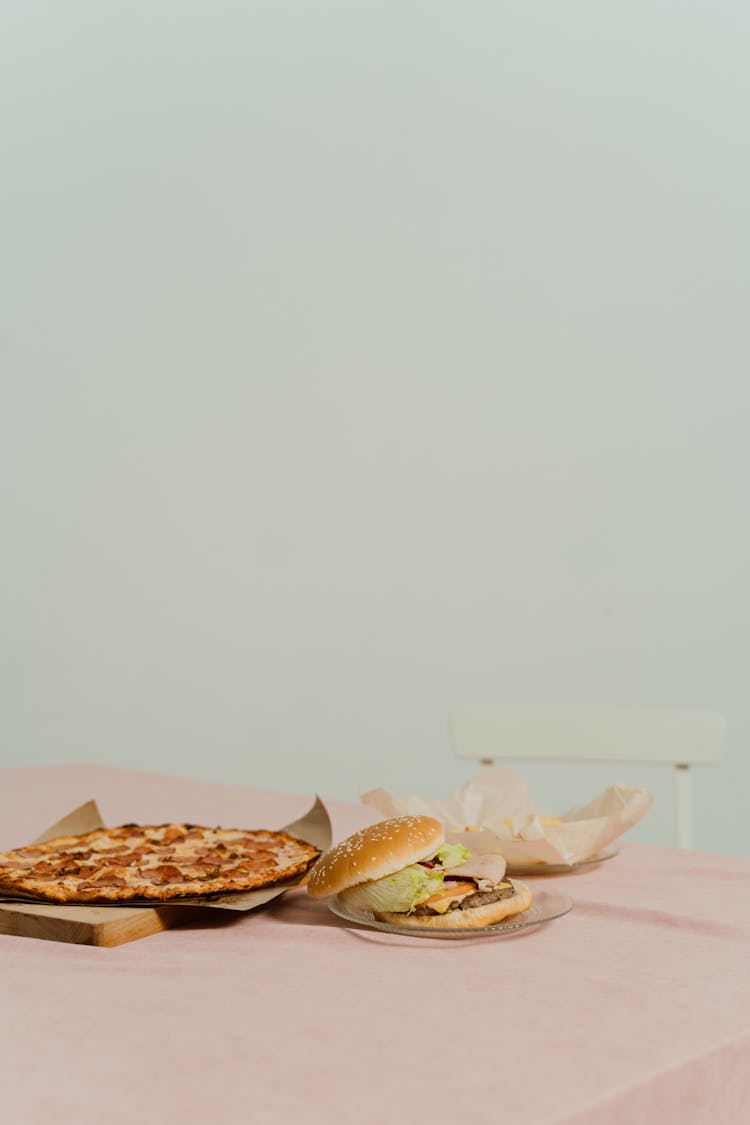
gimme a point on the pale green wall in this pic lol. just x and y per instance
(361, 359)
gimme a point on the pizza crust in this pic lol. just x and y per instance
(153, 863)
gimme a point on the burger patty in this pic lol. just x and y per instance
(479, 898)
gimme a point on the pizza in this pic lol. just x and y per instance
(153, 862)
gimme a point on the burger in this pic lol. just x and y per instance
(403, 872)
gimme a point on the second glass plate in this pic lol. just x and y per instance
(562, 868)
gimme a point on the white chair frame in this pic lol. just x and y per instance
(655, 735)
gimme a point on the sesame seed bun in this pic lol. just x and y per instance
(375, 852)
(473, 918)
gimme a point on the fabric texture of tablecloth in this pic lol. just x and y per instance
(635, 1007)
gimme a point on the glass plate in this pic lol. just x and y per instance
(562, 868)
(546, 906)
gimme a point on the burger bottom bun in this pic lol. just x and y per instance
(474, 918)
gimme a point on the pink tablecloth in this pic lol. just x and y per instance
(635, 1007)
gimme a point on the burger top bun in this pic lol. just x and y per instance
(375, 852)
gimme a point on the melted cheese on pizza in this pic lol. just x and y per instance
(153, 862)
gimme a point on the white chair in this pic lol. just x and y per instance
(679, 738)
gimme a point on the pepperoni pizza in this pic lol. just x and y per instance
(152, 862)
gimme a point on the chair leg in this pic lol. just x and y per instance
(684, 806)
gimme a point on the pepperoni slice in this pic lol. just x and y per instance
(172, 835)
(165, 873)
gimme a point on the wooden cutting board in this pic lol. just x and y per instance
(89, 925)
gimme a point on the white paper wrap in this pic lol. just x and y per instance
(497, 801)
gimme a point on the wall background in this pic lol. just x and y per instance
(363, 359)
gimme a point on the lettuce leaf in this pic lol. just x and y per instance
(399, 892)
(452, 855)
(405, 889)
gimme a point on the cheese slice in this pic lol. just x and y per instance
(442, 900)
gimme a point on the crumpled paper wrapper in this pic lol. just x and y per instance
(494, 811)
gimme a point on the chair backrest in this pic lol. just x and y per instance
(679, 738)
(689, 736)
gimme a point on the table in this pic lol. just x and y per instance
(635, 1007)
